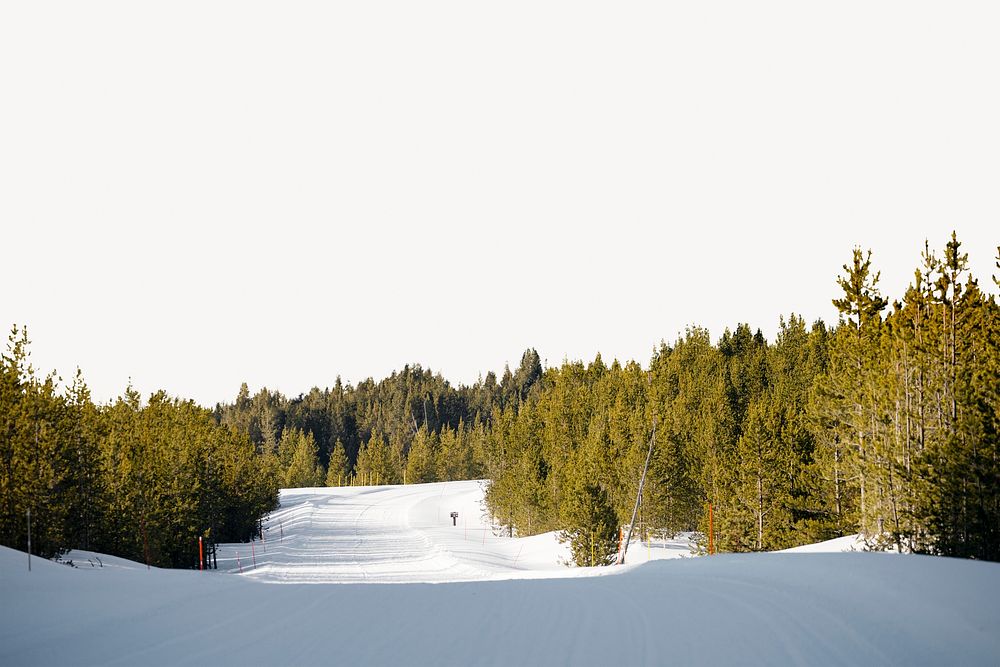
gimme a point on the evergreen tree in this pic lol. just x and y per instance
(847, 394)
(337, 472)
(589, 525)
(456, 455)
(420, 464)
(303, 468)
(763, 484)
(378, 463)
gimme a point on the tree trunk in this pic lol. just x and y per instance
(760, 513)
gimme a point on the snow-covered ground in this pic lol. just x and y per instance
(836, 545)
(393, 534)
(803, 608)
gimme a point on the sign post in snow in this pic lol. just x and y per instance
(454, 518)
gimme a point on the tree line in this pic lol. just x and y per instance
(412, 426)
(141, 480)
(885, 424)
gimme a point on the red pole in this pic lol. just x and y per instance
(201, 555)
(710, 531)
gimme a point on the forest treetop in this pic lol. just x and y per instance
(885, 423)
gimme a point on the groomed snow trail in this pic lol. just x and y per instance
(402, 534)
(783, 608)
(748, 609)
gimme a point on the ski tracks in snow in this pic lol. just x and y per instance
(370, 534)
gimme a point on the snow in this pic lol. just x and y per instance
(800, 608)
(836, 545)
(404, 534)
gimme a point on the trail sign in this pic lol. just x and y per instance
(454, 518)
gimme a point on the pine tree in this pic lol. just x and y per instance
(763, 484)
(420, 464)
(81, 430)
(456, 455)
(846, 407)
(303, 469)
(590, 524)
(337, 471)
(378, 462)
(14, 375)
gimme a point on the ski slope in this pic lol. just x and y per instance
(403, 534)
(362, 550)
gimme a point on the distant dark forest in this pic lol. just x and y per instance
(886, 423)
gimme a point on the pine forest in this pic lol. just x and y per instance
(885, 423)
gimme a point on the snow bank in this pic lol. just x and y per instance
(836, 545)
(749, 609)
(813, 608)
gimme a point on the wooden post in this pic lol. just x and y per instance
(710, 530)
(29, 540)
(253, 555)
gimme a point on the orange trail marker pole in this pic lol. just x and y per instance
(201, 555)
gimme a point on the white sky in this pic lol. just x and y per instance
(194, 194)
